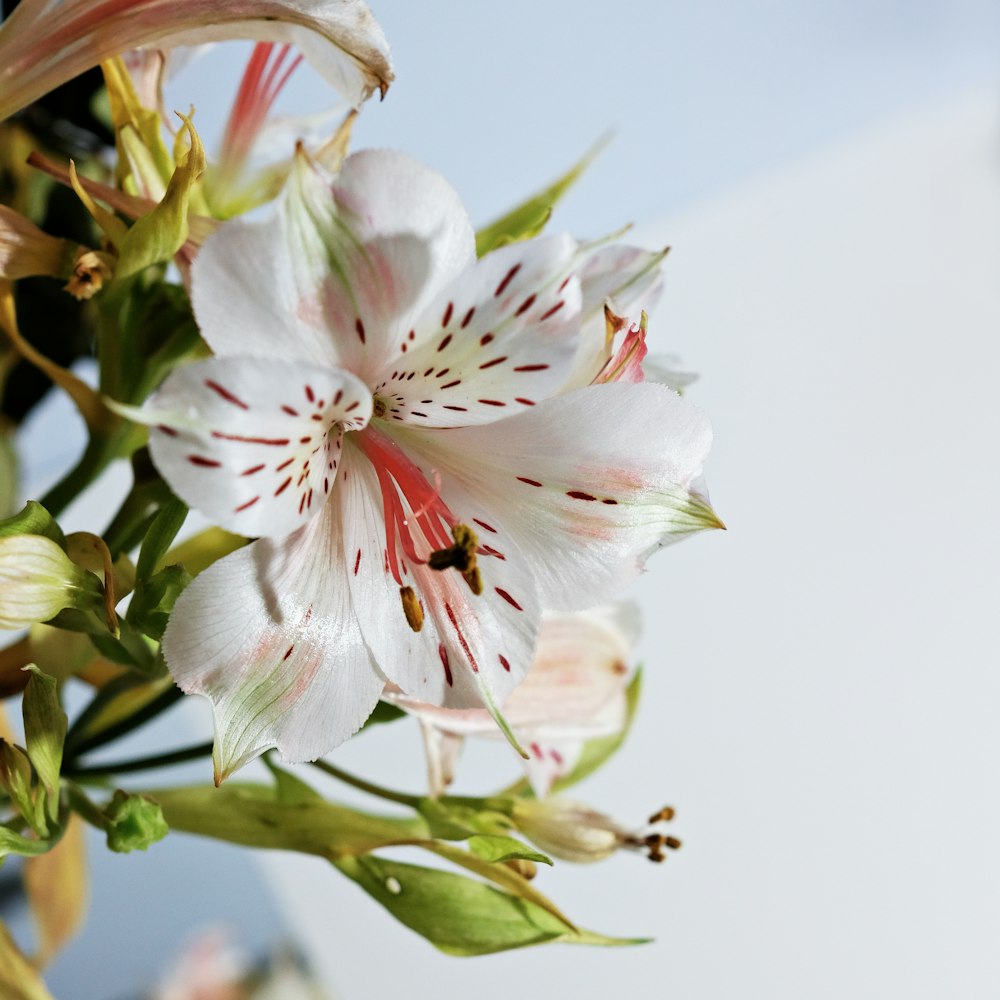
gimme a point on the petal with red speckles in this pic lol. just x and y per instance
(254, 444)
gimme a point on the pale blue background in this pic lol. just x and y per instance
(785, 731)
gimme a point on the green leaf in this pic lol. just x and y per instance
(255, 816)
(530, 217)
(154, 599)
(160, 536)
(33, 520)
(497, 849)
(8, 475)
(44, 734)
(460, 915)
(597, 751)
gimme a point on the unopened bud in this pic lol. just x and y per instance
(134, 822)
(567, 829)
(38, 580)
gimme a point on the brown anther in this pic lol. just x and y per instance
(474, 579)
(663, 816)
(657, 855)
(672, 842)
(379, 406)
(90, 270)
(612, 323)
(654, 840)
(460, 556)
(411, 608)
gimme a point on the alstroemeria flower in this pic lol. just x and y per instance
(574, 692)
(45, 43)
(383, 409)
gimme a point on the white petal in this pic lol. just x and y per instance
(269, 636)
(336, 275)
(254, 444)
(498, 340)
(469, 648)
(587, 484)
(550, 760)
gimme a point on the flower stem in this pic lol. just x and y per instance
(142, 763)
(77, 746)
(413, 801)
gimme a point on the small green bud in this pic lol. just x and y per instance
(38, 580)
(134, 822)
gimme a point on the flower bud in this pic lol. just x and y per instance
(134, 822)
(38, 580)
(575, 832)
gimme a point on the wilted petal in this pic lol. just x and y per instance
(269, 636)
(255, 445)
(26, 251)
(45, 43)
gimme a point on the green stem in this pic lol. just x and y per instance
(126, 725)
(413, 801)
(142, 763)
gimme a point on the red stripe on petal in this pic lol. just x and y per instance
(208, 463)
(226, 394)
(510, 600)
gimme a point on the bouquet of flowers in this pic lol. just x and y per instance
(425, 461)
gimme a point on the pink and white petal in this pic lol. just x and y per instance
(442, 750)
(470, 649)
(498, 340)
(550, 760)
(586, 484)
(632, 280)
(44, 43)
(253, 444)
(268, 634)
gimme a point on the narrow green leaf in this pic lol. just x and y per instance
(497, 849)
(44, 733)
(160, 536)
(530, 217)
(9, 478)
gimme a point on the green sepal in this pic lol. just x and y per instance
(157, 236)
(134, 822)
(257, 816)
(160, 536)
(497, 849)
(531, 216)
(12, 842)
(460, 915)
(598, 751)
(34, 519)
(288, 787)
(459, 820)
(154, 599)
(44, 734)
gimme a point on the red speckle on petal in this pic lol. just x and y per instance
(359, 328)
(508, 278)
(449, 385)
(531, 368)
(530, 482)
(226, 394)
(444, 342)
(326, 485)
(504, 662)
(284, 465)
(579, 495)
(485, 339)
(357, 562)
(468, 317)
(288, 652)
(495, 361)
(338, 397)
(510, 600)
(446, 318)
(526, 305)
(483, 524)
(461, 638)
(492, 402)
(302, 503)
(249, 503)
(305, 440)
(565, 282)
(169, 431)
(443, 653)
(460, 409)
(310, 395)
(208, 463)
(609, 501)
(552, 311)
(284, 486)
(252, 470)
(523, 401)
(353, 406)
(290, 411)
(279, 442)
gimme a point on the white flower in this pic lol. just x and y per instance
(574, 692)
(383, 410)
